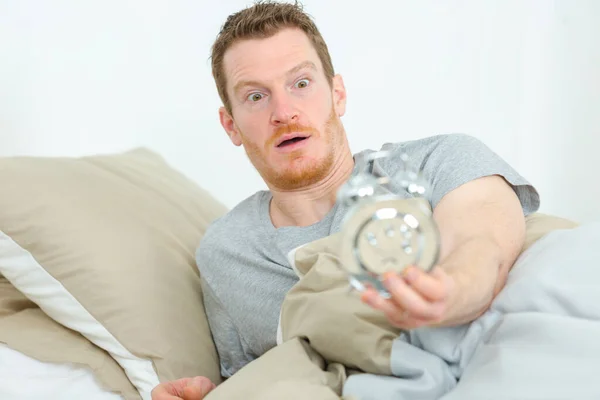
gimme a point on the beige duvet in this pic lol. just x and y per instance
(327, 333)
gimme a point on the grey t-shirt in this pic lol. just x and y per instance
(243, 258)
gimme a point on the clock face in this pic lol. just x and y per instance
(384, 235)
(383, 230)
(389, 241)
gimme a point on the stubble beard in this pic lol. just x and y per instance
(300, 171)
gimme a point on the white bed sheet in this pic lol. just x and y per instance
(25, 378)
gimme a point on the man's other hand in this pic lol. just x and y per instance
(183, 389)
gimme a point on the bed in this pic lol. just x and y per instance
(100, 299)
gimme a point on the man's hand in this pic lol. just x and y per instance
(482, 231)
(183, 389)
(417, 298)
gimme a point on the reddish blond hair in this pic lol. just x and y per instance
(260, 21)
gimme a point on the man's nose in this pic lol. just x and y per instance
(284, 110)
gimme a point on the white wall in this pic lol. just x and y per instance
(82, 77)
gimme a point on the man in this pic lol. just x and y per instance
(283, 103)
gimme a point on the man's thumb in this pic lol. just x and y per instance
(192, 393)
(197, 389)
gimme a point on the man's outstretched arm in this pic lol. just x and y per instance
(482, 229)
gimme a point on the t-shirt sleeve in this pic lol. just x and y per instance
(449, 161)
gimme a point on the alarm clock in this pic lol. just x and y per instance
(384, 230)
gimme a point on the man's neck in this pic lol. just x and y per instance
(311, 205)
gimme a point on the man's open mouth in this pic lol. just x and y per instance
(292, 141)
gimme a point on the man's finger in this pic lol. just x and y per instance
(192, 393)
(371, 297)
(394, 314)
(408, 299)
(430, 285)
(164, 391)
(405, 321)
(197, 388)
(183, 389)
(399, 317)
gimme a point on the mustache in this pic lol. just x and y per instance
(290, 128)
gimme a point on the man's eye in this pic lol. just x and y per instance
(302, 83)
(255, 97)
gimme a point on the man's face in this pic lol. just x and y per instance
(285, 112)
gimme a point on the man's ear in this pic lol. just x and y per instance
(339, 95)
(229, 126)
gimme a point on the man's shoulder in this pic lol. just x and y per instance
(433, 142)
(245, 213)
(427, 144)
(233, 225)
(419, 151)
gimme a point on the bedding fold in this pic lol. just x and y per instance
(24, 327)
(326, 326)
(545, 323)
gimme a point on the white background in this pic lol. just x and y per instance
(84, 77)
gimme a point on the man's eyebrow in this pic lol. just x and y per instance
(242, 84)
(303, 65)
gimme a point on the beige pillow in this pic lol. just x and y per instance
(105, 245)
(540, 224)
(31, 332)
